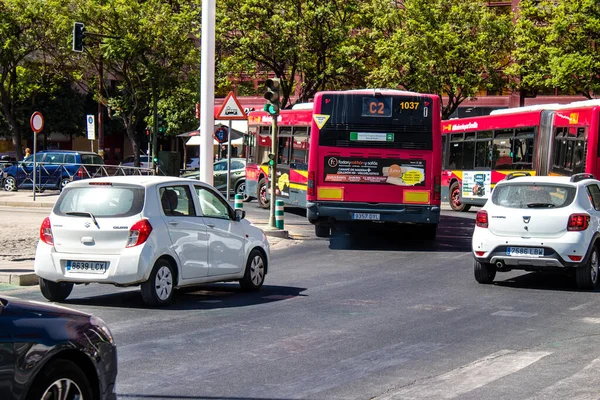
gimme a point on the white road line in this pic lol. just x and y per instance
(518, 314)
(468, 377)
(584, 305)
(581, 386)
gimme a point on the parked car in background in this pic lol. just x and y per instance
(158, 232)
(51, 352)
(6, 160)
(237, 176)
(55, 169)
(145, 162)
(540, 223)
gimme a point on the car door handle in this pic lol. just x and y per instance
(173, 223)
(210, 225)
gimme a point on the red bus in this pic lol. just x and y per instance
(375, 157)
(293, 131)
(545, 140)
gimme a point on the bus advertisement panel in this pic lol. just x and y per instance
(293, 131)
(375, 156)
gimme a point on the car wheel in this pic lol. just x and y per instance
(10, 184)
(61, 379)
(55, 291)
(158, 290)
(484, 272)
(455, 202)
(64, 182)
(254, 276)
(263, 200)
(241, 189)
(587, 276)
(322, 231)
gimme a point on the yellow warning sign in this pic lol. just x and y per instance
(320, 120)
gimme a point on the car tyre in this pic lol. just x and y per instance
(10, 184)
(58, 376)
(263, 200)
(256, 269)
(586, 276)
(484, 272)
(64, 182)
(240, 188)
(322, 231)
(55, 291)
(159, 289)
(455, 202)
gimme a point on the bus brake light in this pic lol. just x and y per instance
(311, 184)
(437, 188)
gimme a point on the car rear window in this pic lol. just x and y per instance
(102, 201)
(532, 195)
(91, 159)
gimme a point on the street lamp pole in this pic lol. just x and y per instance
(207, 91)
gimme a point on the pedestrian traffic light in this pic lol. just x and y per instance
(161, 123)
(273, 95)
(78, 36)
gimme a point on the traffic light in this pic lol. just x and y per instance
(271, 159)
(161, 123)
(273, 95)
(155, 159)
(78, 36)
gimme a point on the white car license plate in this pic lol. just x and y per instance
(87, 267)
(366, 216)
(524, 252)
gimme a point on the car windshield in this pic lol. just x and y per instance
(533, 195)
(101, 201)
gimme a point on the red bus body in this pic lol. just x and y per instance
(551, 140)
(375, 156)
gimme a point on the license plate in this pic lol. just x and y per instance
(524, 252)
(366, 216)
(87, 267)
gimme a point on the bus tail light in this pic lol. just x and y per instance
(310, 191)
(437, 188)
(482, 219)
(46, 232)
(578, 222)
(139, 233)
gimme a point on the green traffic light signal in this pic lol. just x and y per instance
(273, 95)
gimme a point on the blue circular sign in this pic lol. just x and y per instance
(221, 134)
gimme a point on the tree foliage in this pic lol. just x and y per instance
(446, 47)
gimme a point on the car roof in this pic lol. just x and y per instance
(563, 180)
(140, 180)
(66, 152)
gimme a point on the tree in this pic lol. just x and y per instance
(445, 47)
(29, 56)
(297, 40)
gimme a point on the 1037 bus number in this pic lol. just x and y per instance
(409, 105)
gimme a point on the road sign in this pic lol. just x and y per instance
(221, 134)
(91, 127)
(36, 122)
(231, 109)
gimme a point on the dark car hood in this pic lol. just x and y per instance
(13, 306)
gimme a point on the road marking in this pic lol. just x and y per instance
(518, 314)
(581, 386)
(584, 305)
(468, 377)
(591, 320)
(433, 307)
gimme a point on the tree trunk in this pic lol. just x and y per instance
(15, 130)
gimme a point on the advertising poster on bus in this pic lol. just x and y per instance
(476, 184)
(375, 170)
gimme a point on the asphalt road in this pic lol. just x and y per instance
(380, 316)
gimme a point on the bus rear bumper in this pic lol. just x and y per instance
(332, 212)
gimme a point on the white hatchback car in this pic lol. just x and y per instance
(539, 223)
(158, 232)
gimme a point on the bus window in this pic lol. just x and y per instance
(501, 150)
(523, 149)
(483, 150)
(455, 160)
(284, 150)
(300, 148)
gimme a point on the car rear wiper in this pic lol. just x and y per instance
(540, 205)
(84, 214)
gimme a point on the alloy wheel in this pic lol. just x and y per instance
(63, 389)
(456, 197)
(257, 270)
(163, 283)
(9, 184)
(242, 190)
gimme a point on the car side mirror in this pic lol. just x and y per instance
(239, 214)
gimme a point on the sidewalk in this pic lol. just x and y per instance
(24, 198)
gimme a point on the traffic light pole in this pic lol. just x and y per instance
(155, 133)
(273, 177)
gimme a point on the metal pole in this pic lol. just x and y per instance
(100, 112)
(207, 98)
(273, 177)
(228, 160)
(155, 131)
(34, 163)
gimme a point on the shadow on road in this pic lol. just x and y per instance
(167, 397)
(453, 235)
(540, 281)
(206, 297)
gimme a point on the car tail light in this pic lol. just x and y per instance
(479, 253)
(46, 232)
(311, 184)
(578, 222)
(80, 173)
(139, 233)
(575, 258)
(437, 187)
(482, 219)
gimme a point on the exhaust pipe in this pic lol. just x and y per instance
(499, 264)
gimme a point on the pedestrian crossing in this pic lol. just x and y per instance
(457, 383)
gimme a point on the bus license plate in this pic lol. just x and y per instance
(524, 252)
(366, 216)
(87, 267)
